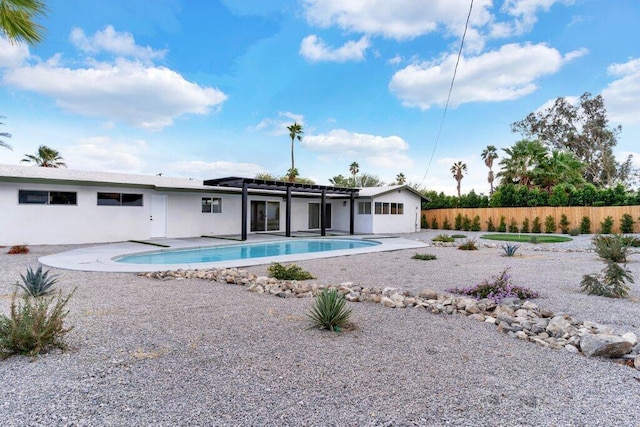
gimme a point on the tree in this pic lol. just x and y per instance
(340, 181)
(559, 167)
(17, 20)
(520, 161)
(266, 176)
(401, 179)
(489, 154)
(458, 170)
(584, 130)
(368, 180)
(45, 157)
(295, 132)
(354, 168)
(4, 135)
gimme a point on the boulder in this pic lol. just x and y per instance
(387, 302)
(428, 294)
(559, 326)
(631, 337)
(604, 345)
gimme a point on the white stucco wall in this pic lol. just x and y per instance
(405, 223)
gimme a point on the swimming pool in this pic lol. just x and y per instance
(244, 251)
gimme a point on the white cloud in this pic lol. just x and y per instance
(106, 154)
(111, 41)
(220, 169)
(623, 94)
(314, 49)
(396, 60)
(381, 152)
(278, 126)
(525, 12)
(505, 74)
(127, 91)
(12, 54)
(399, 20)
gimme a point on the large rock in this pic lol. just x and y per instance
(604, 345)
(559, 326)
(428, 294)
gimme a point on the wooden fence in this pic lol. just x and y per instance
(574, 214)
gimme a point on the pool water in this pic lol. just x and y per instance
(245, 251)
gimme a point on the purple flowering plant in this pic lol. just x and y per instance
(497, 289)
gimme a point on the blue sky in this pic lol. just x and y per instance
(206, 88)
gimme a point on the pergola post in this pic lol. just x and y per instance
(352, 203)
(245, 193)
(323, 213)
(288, 213)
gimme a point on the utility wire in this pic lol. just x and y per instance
(446, 106)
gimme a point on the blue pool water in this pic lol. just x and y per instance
(246, 251)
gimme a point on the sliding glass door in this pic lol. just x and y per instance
(265, 216)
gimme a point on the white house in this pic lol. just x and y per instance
(62, 206)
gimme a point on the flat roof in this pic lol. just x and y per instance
(265, 184)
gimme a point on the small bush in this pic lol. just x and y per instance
(459, 236)
(497, 289)
(443, 238)
(631, 241)
(585, 225)
(533, 240)
(288, 272)
(606, 226)
(475, 225)
(37, 283)
(34, 326)
(535, 226)
(626, 224)
(574, 232)
(466, 223)
(446, 225)
(424, 257)
(549, 224)
(434, 223)
(510, 249)
(18, 249)
(457, 223)
(611, 248)
(564, 224)
(525, 226)
(423, 222)
(329, 311)
(502, 227)
(513, 226)
(490, 226)
(610, 283)
(469, 245)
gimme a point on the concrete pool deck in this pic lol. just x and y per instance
(101, 257)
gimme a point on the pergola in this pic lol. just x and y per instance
(287, 188)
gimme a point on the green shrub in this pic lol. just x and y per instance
(458, 236)
(502, 227)
(475, 225)
(549, 224)
(466, 223)
(585, 225)
(458, 222)
(525, 226)
(490, 226)
(626, 224)
(610, 283)
(443, 238)
(606, 226)
(533, 240)
(446, 225)
(288, 272)
(434, 223)
(497, 289)
(37, 283)
(510, 249)
(574, 232)
(329, 311)
(469, 245)
(631, 241)
(513, 226)
(564, 224)
(34, 325)
(424, 257)
(535, 226)
(423, 222)
(611, 248)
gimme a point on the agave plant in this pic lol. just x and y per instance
(37, 283)
(329, 311)
(510, 249)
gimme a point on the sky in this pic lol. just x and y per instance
(206, 88)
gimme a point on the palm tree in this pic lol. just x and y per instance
(401, 179)
(45, 157)
(522, 158)
(489, 154)
(17, 20)
(295, 131)
(4, 135)
(340, 181)
(458, 170)
(560, 167)
(354, 168)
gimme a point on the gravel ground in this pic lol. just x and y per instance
(188, 352)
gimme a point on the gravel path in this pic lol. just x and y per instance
(188, 352)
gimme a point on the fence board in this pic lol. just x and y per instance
(574, 215)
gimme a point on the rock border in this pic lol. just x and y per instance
(523, 320)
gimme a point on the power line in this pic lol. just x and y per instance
(446, 106)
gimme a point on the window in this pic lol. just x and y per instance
(364, 208)
(378, 208)
(39, 197)
(211, 205)
(386, 208)
(119, 199)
